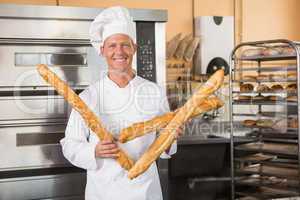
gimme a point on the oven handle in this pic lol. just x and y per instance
(26, 41)
(16, 124)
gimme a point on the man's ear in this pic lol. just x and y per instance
(101, 50)
(135, 47)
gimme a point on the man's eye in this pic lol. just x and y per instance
(126, 45)
(111, 46)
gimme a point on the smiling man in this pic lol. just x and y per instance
(120, 99)
(118, 50)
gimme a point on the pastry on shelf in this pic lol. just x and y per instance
(263, 77)
(277, 77)
(271, 51)
(288, 51)
(247, 87)
(244, 98)
(277, 88)
(265, 123)
(249, 123)
(293, 123)
(263, 88)
(259, 98)
(249, 78)
(252, 52)
(275, 98)
(291, 88)
(292, 98)
(292, 76)
(280, 125)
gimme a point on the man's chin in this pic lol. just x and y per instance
(120, 70)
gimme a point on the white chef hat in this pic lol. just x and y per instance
(111, 21)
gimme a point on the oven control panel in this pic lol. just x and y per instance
(146, 66)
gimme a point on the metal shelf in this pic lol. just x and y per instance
(265, 81)
(268, 69)
(266, 93)
(267, 58)
(268, 193)
(269, 148)
(269, 181)
(275, 153)
(264, 102)
(265, 114)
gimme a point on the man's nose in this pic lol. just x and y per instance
(119, 49)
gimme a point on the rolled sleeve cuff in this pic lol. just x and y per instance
(172, 151)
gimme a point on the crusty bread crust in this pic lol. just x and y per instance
(141, 128)
(168, 134)
(91, 120)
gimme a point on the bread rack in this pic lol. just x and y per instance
(267, 167)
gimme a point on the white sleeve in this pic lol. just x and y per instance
(75, 145)
(164, 109)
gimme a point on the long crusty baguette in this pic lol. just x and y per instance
(92, 121)
(168, 135)
(141, 128)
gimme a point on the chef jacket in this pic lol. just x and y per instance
(117, 108)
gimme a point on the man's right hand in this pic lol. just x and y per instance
(107, 149)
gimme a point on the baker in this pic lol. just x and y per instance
(120, 99)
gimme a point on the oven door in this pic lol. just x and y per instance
(33, 109)
(76, 62)
(31, 147)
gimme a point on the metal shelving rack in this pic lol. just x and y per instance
(260, 170)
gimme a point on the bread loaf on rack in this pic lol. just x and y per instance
(91, 120)
(157, 123)
(168, 134)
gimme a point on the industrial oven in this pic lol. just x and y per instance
(33, 117)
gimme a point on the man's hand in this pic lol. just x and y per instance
(179, 132)
(107, 149)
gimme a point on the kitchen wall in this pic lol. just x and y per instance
(180, 15)
(255, 19)
(33, 2)
(270, 19)
(213, 7)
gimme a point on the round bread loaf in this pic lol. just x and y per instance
(292, 98)
(277, 88)
(291, 87)
(249, 123)
(263, 77)
(259, 98)
(249, 78)
(265, 123)
(247, 87)
(262, 88)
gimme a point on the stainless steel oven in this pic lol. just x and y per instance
(33, 117)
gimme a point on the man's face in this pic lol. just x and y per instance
(118, 50)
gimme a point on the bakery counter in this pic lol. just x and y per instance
(200, 169)
(211, 139)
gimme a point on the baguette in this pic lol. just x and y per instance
(168, 134)
(141, 128)
(92, 121)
